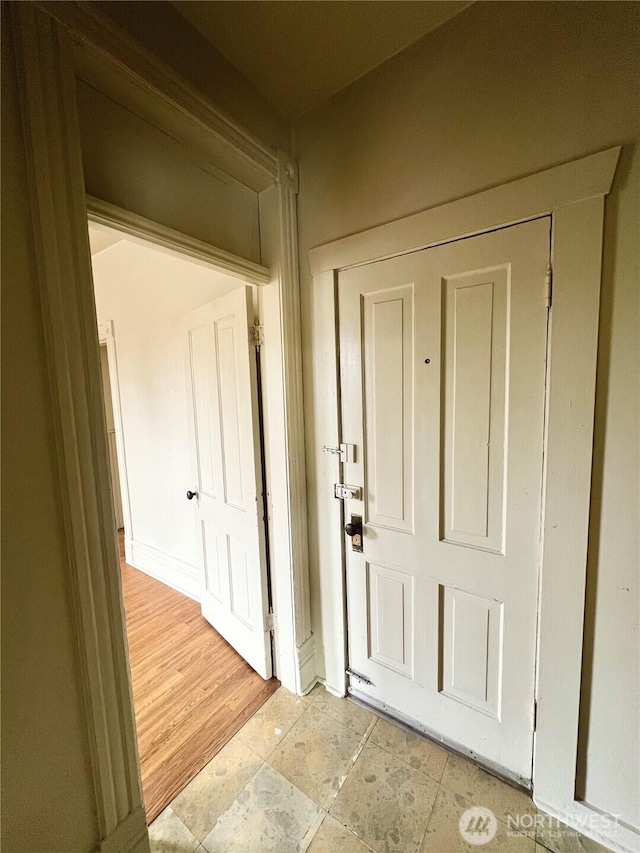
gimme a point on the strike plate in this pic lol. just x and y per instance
(346, 493)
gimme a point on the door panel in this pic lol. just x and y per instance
(471, 649)
(223, 414)
(391, 618)
(474, 370)
(442, 383)
(388, 345)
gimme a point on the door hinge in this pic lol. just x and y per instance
(548, 286)
(352, 673)
(535, 714)
(270, 621)
(256, 335)
(346, 493)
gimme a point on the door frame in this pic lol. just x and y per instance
(55, 44)
(573, 194)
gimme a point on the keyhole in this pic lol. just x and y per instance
(427, 361)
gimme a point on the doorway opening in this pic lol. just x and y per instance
(180, 383)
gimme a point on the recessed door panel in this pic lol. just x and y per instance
(391, 618)
(475, 394)
(239, 575)
(215, 562)
(388, 379)
(226, 358)
(204, 402)
(471, 650)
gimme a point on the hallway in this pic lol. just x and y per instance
(191, 690)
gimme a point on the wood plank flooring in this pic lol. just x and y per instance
(191, 690)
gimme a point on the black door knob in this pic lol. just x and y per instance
(354, 530)
(191, 495)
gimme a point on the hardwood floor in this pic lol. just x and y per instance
(192, 691)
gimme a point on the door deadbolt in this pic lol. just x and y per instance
(354, 530)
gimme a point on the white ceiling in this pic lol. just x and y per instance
(299, 53)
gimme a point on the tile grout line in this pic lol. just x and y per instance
(282, 736)
(433, 805)
(363, 739)
(417, 769)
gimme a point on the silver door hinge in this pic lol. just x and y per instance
(346, 452)
(346, 493)
(352, 673)
(256, 335)
(548, 286)
(270, 621)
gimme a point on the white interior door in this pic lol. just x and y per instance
(227, 482)
(111, 438)
(442, 382)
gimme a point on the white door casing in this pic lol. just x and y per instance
(443, 382)
(226, 473)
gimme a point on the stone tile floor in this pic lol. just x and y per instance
(324, 775)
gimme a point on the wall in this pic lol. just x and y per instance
(167, 34)
(502, 91)
(131, 163)
(146, 292)
(47, 788)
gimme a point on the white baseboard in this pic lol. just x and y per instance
(335, 691)
(181, 576)
(617, 837)
(130, 836)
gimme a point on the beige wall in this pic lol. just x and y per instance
(499, 92)
(145, 292)
(47, 790)
(134, 165)
(162, 30)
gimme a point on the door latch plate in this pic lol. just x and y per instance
(346, 493)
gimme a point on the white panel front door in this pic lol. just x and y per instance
(223, 416)
(442, 379)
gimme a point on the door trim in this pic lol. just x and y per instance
(175, 242)
(53, 42)
(573, 195)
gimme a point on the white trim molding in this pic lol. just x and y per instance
(175, 573)
(57, 44)
(106, 56)
(130, 836)
(293, 399)
(508, 204)
(175, 242)
(573, 195)
(54, 168)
